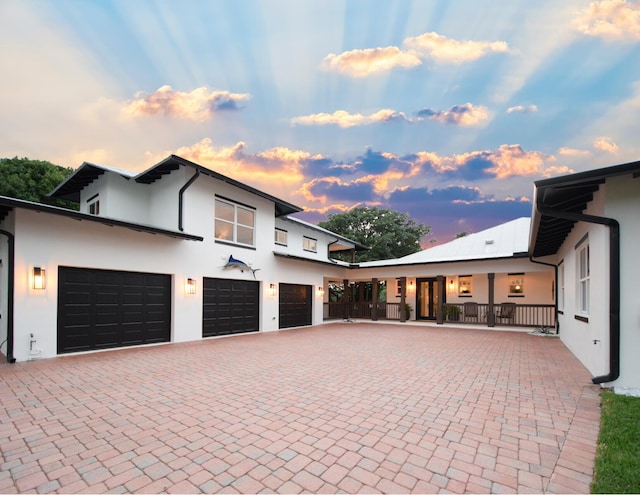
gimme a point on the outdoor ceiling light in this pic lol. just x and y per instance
(272, 289)
(190, 286)
(39, 278)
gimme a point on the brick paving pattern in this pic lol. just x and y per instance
(334, 408)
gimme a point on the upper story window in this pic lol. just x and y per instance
(281, 237)
(465, 285)
(584, 273)
(309, 244)
(94, 205)
(516, 285)
(234, 222)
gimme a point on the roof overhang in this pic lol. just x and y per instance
(8, 204)
(568, 194)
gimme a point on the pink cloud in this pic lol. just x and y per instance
(360, 63)
(448, 50)
(611, 20)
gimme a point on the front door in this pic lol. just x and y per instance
(427, 298)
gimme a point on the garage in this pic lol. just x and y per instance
(295, 305)
(230, 306)
(103, 309)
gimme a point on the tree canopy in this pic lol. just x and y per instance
(33, 180)
(389, 234)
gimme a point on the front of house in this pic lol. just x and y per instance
(180, 253)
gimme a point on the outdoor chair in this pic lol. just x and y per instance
(507, 312)
(470, 311)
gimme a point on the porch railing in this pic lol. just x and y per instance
(505, 314)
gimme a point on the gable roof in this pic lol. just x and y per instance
(88, 172)
(507, 240)
(8, 204)
(570, 194)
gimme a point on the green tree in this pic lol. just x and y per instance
(462, 234)
(33, 180)
(388, 233)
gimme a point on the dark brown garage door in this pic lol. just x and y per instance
(295, 305)
(102, 309)
(230, 306)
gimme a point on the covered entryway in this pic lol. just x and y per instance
(230, 306)
(103, 309)
(295, 305)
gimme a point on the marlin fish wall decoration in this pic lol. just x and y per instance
(234, 263)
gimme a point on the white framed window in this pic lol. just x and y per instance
(583, 271)
(93, 205)
(561, 286)
(234, 222)
(281, 237)
(465, 285)
(309, 244)
(516, 285)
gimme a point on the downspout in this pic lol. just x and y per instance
(329, 251)
(614, 285)
(181, 193)
(10, 291)
(555, 290)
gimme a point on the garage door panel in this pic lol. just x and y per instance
(100, 309)
(294, 305)
(230, 306)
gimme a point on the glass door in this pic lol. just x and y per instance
(427, 302)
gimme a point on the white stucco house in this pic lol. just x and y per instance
(181, 253)
(588, 225)
(146, 260)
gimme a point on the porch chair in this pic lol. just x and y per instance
(470, 311)
(507, 312)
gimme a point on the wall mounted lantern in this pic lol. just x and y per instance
(320, 290)
(451, 285)
(272, 289)
(411, 287)
(190, 286)
(39, 278)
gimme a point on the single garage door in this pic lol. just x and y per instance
(102, 309)
(295, 305)
(230, 306)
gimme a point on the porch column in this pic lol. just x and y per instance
(491, 317)
(346, 297)
(403, 299)
(441, 295)
(374, 296)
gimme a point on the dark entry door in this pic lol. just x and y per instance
(230, 306)
(295, 305)
(427, 300)
(102, 309)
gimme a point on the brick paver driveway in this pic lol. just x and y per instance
(334, 408)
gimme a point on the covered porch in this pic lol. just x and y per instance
(490, 299)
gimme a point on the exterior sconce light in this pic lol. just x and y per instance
(272, 289)
(190, 286)
(320, 290)
(451, 285)
(411, 286)
(39, 278)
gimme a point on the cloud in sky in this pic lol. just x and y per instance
(463, 115)
(617, 20)
(198, 104)
(433, 46)
(344, 119)
(450, 51)
(361, 63)
(606, 144)
(522, 109)
(574, 152)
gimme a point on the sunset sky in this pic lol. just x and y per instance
(447, 110)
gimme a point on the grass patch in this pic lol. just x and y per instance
(617, 468)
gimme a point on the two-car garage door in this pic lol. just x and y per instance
(103, 309)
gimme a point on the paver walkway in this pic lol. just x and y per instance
(334, 408)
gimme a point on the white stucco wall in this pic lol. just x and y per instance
(579, 336)
(623, 204)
